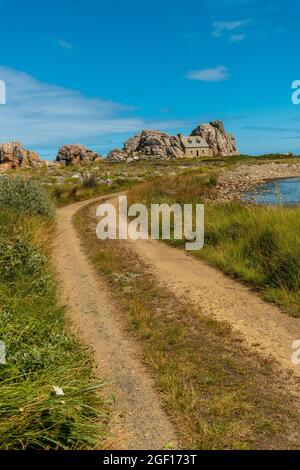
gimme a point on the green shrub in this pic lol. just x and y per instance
(25, 195)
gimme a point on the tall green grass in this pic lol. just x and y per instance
(41, 353)
(257, 244)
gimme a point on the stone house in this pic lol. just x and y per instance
(195, 146)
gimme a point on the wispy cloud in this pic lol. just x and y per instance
(41, 115)
(220, 27)
(216, 74)
(65, 45)
(237, 37)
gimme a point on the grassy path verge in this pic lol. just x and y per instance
(47, 393)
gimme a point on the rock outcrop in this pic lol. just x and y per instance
(150, 144)
(156, 143)
(132, 144)
(117, 156)
(147, 145)
(74, 154)
(214, 134)
(13, 155)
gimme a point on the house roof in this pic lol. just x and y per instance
(193, 142)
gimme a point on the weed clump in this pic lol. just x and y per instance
(89, 180)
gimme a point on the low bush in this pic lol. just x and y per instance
(25, 195)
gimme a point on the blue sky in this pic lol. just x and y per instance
(97, 72)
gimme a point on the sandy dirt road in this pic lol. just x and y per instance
(139, 421)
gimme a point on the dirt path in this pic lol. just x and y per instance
(262, 325)
(139, 421)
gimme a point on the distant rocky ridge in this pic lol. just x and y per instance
(13, 156)
(150, 144)
(76, 153)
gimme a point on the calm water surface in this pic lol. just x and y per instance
(280, 191)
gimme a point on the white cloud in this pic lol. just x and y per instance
(65, 44)
(219, 27)
(216, 74)
(237, 37)
(44, 116)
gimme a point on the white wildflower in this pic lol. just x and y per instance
(58, 391)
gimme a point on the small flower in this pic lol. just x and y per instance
(58, 391)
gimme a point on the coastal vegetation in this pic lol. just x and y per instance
(47, 393)
(49, 399)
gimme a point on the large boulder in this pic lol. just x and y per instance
(147, 145)
(74, 154)
(214, 134)
(13, 155)
(132, 144)
(117, 156)
(159, 144)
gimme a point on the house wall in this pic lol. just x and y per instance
(198, 152)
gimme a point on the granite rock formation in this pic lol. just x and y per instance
(214, 134)
(150, 144)
(13, 155)
(76, 153)
(147, 145)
